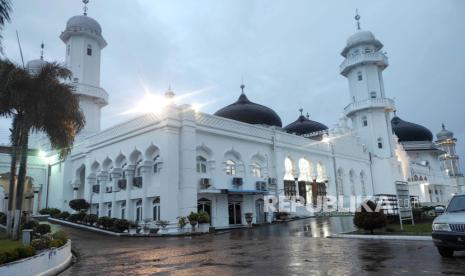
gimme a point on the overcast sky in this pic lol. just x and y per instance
(287, 52)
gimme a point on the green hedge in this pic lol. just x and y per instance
(16, 254)
(53, 212)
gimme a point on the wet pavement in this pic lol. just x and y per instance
(294, 248)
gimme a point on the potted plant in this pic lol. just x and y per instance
(182, 222)
(249, 218)
(193, 220)
(204, 221)
(163, 224)
(132, 228)
(146, 227)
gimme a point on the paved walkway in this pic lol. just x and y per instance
(296, 248)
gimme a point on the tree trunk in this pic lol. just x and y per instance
(21, 181)
(15, 154)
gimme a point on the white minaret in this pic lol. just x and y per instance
(84, 42)
(369, 109)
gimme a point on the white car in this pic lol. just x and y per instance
(449, 228)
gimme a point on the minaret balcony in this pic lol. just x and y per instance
(385, 103)
(377, 58)
(97, 93)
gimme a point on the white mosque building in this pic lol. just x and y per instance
(163, 165)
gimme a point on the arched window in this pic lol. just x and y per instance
(139, 168)
(367, 50)
(156, 209)
(156, 164)
(352, 182)
(256, 170)
(373, 95)
(364, 121)
(359, 76)
(288, 169)
(380, 143)
(124, 172)
(340, 179)
(230, 167)
(362, 182)
(201, 164)
(123, 210)
(305, 170)
(139, 210)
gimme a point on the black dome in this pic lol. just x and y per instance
(304, 126)
(407, 131)
(246, 111)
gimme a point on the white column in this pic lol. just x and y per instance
(115, 176)
(75, 184)
(129, 171)
(35, 208)
(103, 179)
(146, 170)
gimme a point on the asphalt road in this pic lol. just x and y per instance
(295, 248)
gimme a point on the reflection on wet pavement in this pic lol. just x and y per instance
(296, 247)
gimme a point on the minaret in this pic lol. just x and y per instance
(369, 108)
(450, 159)
(84, 42)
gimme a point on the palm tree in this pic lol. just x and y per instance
(39, 102)
(5, 9)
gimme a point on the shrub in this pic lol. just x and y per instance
(77, 217)
(182, 222)
(9, 256)
(193, 218)
(41, 244)
(42, 229)
(105, 222)
(63, 215)
(60, 235)
(25, 251)
(53, 212)
(203, 217)
(56, 243)
(79, 204)
(162, 223)
(120, 225)
(370, 219)
(32, 224)
(90, 219)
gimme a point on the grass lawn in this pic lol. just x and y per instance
(419, 229)
(6, 244)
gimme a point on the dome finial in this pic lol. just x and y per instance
(169, 94)
(85, 6)
(357, 18)
(308, 116)
(301, 111)
(242, 88)
(443, 126)
(42, 51)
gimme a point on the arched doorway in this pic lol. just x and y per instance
(205, 205)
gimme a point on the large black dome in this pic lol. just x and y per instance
(304, 126)
(246, 111)
(407, 131)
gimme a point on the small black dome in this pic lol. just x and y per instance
(407, 131)
(246, 111)
(304, 126)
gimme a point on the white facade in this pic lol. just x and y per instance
(166, 165)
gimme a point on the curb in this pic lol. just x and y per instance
(382, 237)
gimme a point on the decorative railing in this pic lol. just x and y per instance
(377, 57)
(370, 103)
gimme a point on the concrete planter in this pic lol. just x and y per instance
(48, 262)
(204, 227)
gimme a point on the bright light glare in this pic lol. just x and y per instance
(326, 139)
(196, 107)
(42, 153)
(150, 103)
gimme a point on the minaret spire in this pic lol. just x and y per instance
(357, 18)
(42, 51)
(85, 6)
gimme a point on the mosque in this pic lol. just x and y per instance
(165, 164)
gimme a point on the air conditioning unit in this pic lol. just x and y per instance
(260, 185)
(96, 189)
(237, 181)
(205, 183)
(122, 184)
(108, 189)
(137, 182)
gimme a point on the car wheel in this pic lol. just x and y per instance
(446, 252)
